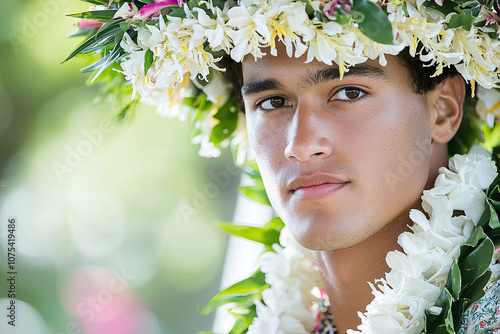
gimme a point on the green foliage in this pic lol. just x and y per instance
(470, 130)
(267, 235)
(98, 15)
(461, 20)
(97, 2)
(372, 21)
(243, 293)
(148, 60)
(255, 192)
(228, 120)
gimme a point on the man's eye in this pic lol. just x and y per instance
(274, 103)
(348, 94)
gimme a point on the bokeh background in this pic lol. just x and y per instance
(115, 221)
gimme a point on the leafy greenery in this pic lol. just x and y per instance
(372, 21)
(255, 192)
(267, 235)
(244, 293)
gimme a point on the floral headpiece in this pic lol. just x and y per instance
(169, 51)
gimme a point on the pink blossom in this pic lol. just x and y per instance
(151, 12)
(331, 8)
(87, 23)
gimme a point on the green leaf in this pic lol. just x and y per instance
(476, 262)
(475, 291)
(473, 240)
(454, 281)
(446, 8)
(494, 222)
(243, 321)
(485, 218)
(116, 54)
(83, 32)
(458, 308)
(373, 22)
(127, 112)
(434, 321)
(256, 193)
(90, 45)
(98, 2)
(98, 15)
(148, 60)
(227, 116)
(110, 30)
(267, 235)
(245, 290)
(461, 20)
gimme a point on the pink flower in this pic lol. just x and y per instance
(151, 12)
(331, 8)
(86, 23)
(482, 324)
(475, 307)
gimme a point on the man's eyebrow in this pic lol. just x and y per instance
(254, 87)
(314, 78)
(317, 77)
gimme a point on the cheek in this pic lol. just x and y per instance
(267, 146)
(401, 155)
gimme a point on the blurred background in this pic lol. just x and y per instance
(115, 222)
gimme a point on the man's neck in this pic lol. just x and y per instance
(346, 273)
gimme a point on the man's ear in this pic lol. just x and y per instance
(448, 99)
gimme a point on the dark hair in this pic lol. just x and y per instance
(420, 74)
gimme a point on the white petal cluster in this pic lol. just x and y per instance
(292, 274)
(418, 275)
(183, 48)
(488, 105)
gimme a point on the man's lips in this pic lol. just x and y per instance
(316, 185)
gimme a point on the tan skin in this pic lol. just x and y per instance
(334, 157)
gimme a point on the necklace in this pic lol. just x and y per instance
(294, 301)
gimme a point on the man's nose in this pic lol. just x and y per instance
(309, 135)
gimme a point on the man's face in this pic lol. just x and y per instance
(340, 159)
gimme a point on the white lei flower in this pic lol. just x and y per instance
(417, 275)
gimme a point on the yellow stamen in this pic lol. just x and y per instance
(485, 70)
(473, 87)
(495, 107)
(204, 54)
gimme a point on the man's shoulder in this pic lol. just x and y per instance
(484, 315)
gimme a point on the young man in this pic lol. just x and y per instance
(327, 147)
(348, 131)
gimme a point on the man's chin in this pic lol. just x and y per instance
(319, 238)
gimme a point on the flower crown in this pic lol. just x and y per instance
(169, 51)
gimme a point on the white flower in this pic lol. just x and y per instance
(126, 11)
(473, 169)
(488, 105)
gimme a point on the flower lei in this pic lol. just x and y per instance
(446, 257)
(170, 51)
